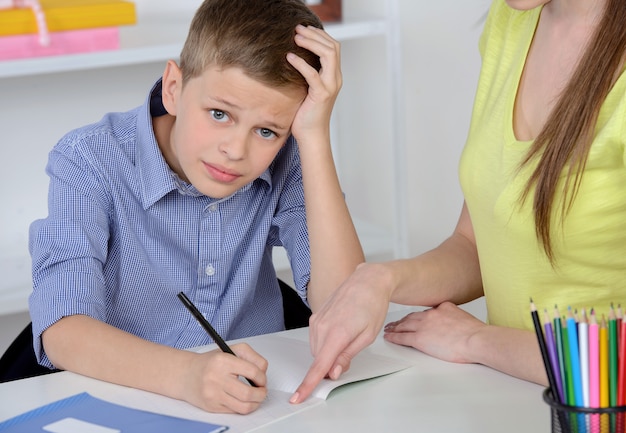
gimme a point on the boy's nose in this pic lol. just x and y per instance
(235, 146)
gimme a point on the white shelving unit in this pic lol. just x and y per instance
(155, 39)
(159, 36)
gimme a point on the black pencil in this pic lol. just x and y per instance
(208, 328)
(544, 351)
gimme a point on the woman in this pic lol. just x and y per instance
(544, 179)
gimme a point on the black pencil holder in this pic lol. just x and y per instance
(574, 419)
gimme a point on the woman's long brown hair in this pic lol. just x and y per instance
(566, 138)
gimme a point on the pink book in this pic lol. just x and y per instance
(65, 42)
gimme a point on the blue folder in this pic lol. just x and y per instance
(83, 412)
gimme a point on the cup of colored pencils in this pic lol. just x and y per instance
(585, 360)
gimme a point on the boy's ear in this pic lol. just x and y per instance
(172, 86)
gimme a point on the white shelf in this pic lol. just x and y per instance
(156, 38)
(16, 284)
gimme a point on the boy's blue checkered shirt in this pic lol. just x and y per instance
(124, 235)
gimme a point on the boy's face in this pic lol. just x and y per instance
(227, 128)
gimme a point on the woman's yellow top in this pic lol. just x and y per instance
(590, 246)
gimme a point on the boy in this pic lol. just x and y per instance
(190, 192)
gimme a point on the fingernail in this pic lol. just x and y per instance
(337, 372)
(294, 398)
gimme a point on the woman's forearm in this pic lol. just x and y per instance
(511, 351)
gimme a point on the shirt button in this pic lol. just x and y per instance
(213, 207)
(209, 270)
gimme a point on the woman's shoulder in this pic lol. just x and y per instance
(505, 26)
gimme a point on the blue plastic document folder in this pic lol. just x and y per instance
(83, 413)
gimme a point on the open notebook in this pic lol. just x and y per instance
(289, 359)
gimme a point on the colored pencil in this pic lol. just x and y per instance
(612, 358)
(604, 363)
(552, 355)
(594, 361)
(571, 394)
(583, 348)
(543, 349)
(621, 357)
(572, 333)
(621, 368)
(558, 336)
(594, 370)
(618, 322)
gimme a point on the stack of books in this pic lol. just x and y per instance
(55, 27)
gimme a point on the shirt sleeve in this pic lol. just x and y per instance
(484, 37)
(68, 247)
(290, 229)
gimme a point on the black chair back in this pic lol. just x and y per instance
(19, 361)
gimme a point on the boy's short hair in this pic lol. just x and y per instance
(254, 35)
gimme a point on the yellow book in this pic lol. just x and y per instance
(64, 15)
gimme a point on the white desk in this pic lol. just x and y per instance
(432, 396)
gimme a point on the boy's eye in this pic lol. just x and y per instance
(219, 115)
(266, 133)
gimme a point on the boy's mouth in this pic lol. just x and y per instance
(221, 174)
